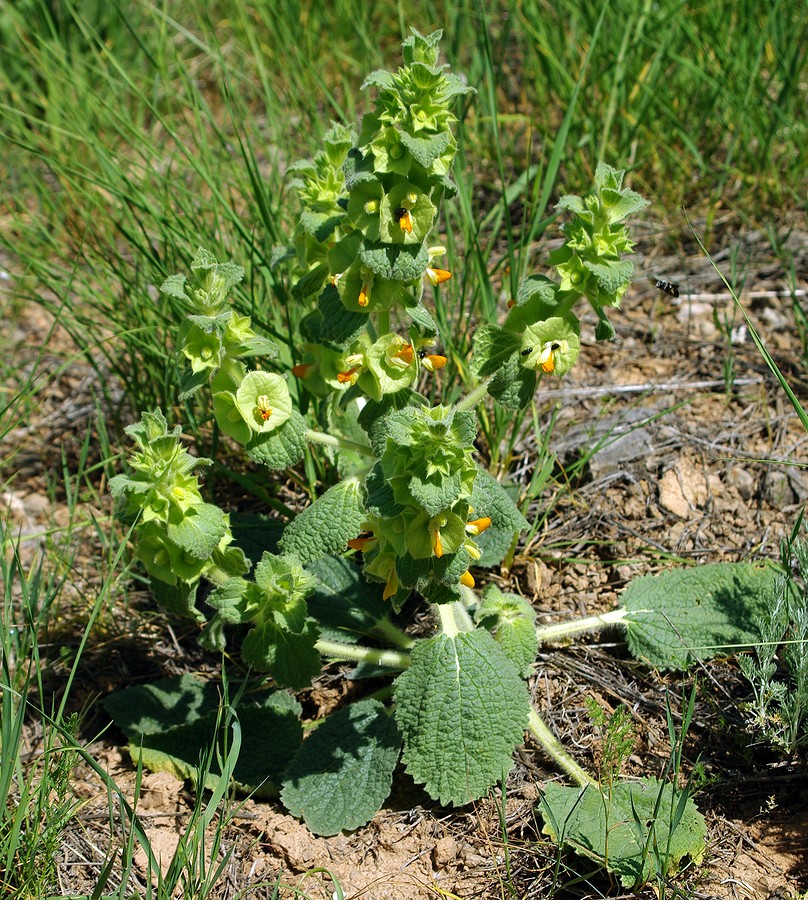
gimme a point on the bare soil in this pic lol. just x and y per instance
(694, 467)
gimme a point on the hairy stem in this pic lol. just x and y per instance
(559, 631)
(448, 623)
(390, 659)
(552, 747)
(330, 440)
(477, 395)
(393, 634)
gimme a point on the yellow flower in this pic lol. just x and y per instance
(262, 407)
(431, 361)
(437, 276)
(546, 359)
(467, 579)
(477, 526)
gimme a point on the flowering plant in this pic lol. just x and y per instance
(414, 505)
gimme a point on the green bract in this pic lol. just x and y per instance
(260, 406)
(389, 366)
(162, 485)
(589, 262)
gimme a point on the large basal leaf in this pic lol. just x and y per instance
(342, 773)
(685, 615)
(328, 524)
(461, 708)
(638, 830)
(172, 723)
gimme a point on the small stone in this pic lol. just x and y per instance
(777, 490)
(742, 481)
(682, 489)
(444, 852)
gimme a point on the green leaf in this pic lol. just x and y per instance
(255, 533)
(281, 448)
(328, 524)
(288, 656)
(461, 708)
(421, 317)
(395, 262)
(512, 622)
(336, 324)
(149, 708)
(380, 500)
(638, 831)
(191, 382)
(489, 498)
(610, 276)
(426, 149)
(345, 606)
(342, 773)
(494, 543)
(172, 723)
(179, 599)
(199, 531)
(685, 615)
(496, 354)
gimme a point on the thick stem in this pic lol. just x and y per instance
(552, 747)
(383, 321)
(448, 620)
(477, 395)
(330, 440)
(390, 659)
(384, 628)
(561, 630)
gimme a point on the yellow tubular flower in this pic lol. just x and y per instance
(546, 360)
(262, 407)
(431, 361)
(405, 354)
(361, 543)
(349, 376)
(477, 526)
(437, 276)
(364, 295)
(404, 218)
(302, 369)
(467, 579)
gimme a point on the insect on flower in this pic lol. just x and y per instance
(431, 361)
(404, 218)
(667, 287)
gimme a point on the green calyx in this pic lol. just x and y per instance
(260, 405)
(551, 346)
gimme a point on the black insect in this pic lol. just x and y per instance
(399, 212)
(527, 351)
(667, 287)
